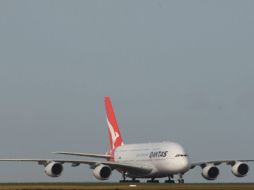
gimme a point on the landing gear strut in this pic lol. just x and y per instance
(124, 177)
(128, 181)
(170, 177)
(180, 180)
(152, 180)
(134, 180)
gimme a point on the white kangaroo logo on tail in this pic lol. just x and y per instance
(114, 135)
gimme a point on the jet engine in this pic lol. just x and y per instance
(102, 172)
(240, 169)
(210, 172)
(54, 169)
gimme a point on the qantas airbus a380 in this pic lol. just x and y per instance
(146, 160)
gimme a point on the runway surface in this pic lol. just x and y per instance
(123, 186)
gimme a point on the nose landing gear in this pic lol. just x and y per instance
(180, 180)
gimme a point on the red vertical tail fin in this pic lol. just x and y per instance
(115, 138)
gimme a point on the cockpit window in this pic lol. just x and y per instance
(181, 155)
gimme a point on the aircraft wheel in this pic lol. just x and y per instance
(152, 181)
(169, 181)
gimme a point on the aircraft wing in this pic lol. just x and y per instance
(217, 162)
(84, 154)
(47, 161)
(128, 167)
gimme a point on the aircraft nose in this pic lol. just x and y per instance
(184, 165)
(180, 165)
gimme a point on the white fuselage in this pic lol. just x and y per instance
(166, 158)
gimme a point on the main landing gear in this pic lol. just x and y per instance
(170, 179)
(152, 180)
(124, 178)
(128, 181)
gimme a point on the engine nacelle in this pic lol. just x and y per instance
(54, 169)
(240, 169)
(102, 172)
(210, 172)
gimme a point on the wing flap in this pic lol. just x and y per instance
(84, 154)
(47, 161)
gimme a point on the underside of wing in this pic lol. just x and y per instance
(217, 162)
(127, 167)
(210, 171)
(130, 167)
